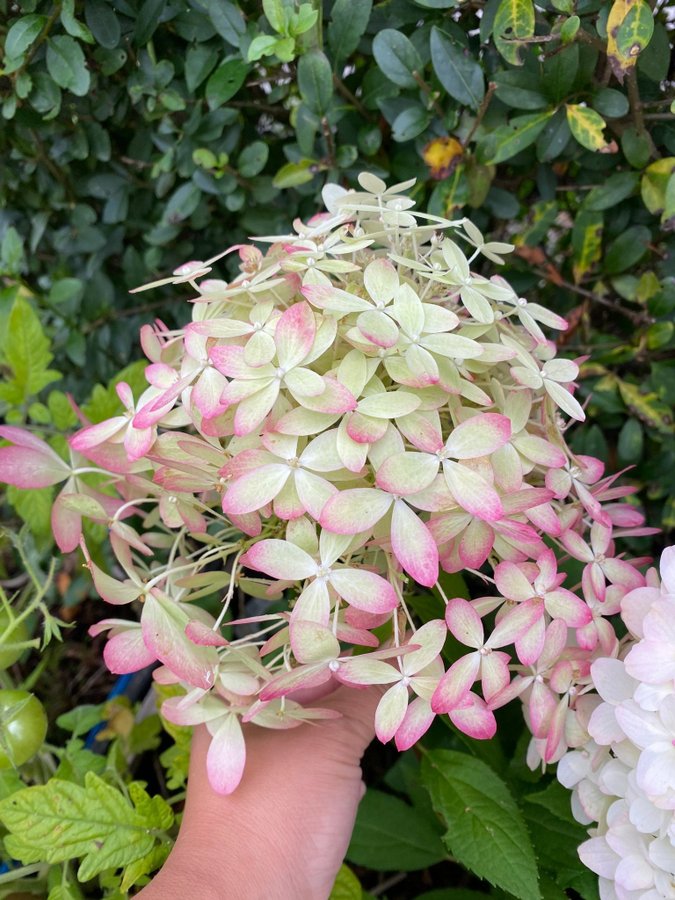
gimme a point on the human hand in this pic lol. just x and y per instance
(283, 833)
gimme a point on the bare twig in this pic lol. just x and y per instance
(483, 108)
(342, 88)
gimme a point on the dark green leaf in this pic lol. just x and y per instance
(22, 34)
(521, 131)
(459, 73)
(631, 441)
(409, 123)
(228, 21)
(390, 835)
(225, 82)
(554, 137)
(636, 147)
(348, 22)
(516, 88)
(559, 73)
(148, 20)
(627, 249)
(182, 203)
(66, 64)
(612, 191)
(397, 57)
(315, 81)
(199, 63)
(103, 23)
(252, 159)
(479, 812)
(611, 103)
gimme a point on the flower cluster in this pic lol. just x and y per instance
(355, 411)
(623, 776)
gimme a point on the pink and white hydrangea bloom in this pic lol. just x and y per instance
(623, 776)
(356, 410)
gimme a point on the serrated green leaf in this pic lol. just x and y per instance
(514, 21)
(390, 835)
(587, 126)
(60, 821)
(479, 812)
(459, 73)
(26, 349)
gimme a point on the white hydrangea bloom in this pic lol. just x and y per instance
(623, 777)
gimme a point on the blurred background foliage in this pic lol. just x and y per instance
(138, 134)
(141, 133)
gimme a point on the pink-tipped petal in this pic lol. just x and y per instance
(200, 633)
(512, 583)
(354, 511)
(474, 718)
(295, 334)
(417, 721)
(479, 436)
(93, 435)
(226, 756)
(413, 545)
(390, 712)
(25, 467)
(407, 473)
(363, 589)
(464, 622)
(472, 492)
(253, 490)
(280, 559)
(126, 652)
(456, 683)
(312, 642)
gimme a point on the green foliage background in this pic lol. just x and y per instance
(138, 134)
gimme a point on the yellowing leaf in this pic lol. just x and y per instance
(630, 26)
(442, 155)
(654, 184)
(514, 20)
(347, 886)
(586, 243)
(587, 126)
(647, 407)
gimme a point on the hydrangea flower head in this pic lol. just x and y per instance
(355, 411)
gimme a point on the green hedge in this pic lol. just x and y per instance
(138, 135)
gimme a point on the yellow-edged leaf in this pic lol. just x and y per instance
(587, 126)
(654, 184)
(514, 21)
(586, 243)
(630, 25)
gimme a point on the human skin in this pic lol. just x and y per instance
(283, 833)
